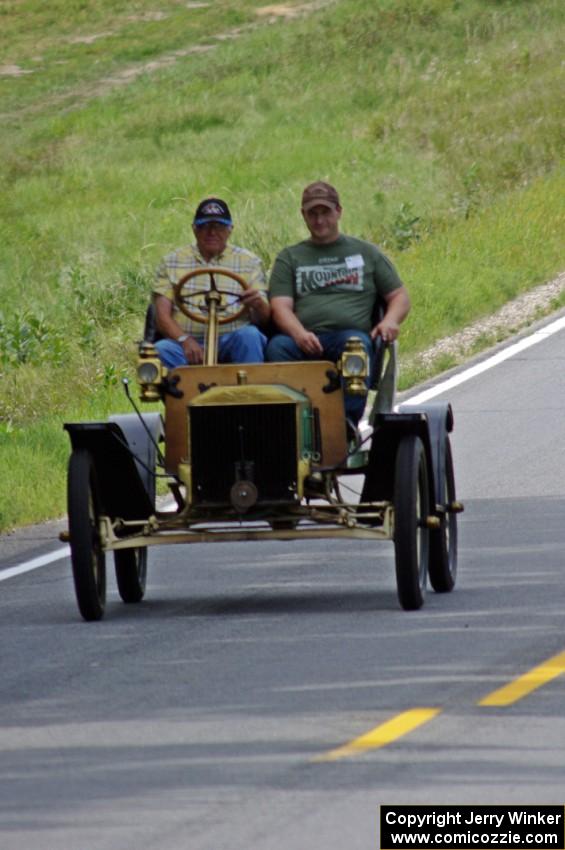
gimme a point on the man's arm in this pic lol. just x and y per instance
(255, 299)
(285, 318)
(170, 328)
(257, 306)
(397, 308)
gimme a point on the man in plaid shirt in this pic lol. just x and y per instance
(183, 339)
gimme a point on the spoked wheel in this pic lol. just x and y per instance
(87, 556)
(443, 541)
(131, 573)
(411, 534)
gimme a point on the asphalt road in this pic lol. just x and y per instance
(212, 715)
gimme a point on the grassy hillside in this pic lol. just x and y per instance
(439, 121)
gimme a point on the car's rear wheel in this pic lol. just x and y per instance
(87, 556)
(411, 533)
(443, 541)
(131, 573)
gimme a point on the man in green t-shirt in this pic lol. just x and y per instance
(324, 290)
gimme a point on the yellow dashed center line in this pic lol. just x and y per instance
(527, 683)
(407, 721)
(382, 735)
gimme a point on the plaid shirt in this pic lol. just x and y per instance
(183, 260)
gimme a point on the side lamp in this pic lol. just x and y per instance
(354, 366)
(150, 372)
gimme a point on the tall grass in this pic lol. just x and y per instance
(438, 120)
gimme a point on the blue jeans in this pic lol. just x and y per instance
(283, 348)
(245, 345)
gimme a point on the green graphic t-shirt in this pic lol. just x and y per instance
(334, 286)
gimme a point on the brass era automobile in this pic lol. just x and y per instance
(260, 452)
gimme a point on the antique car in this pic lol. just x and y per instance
(260, 452)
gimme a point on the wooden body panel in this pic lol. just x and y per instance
(308, 377)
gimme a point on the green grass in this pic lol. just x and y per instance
(439, 121)
(472, 268)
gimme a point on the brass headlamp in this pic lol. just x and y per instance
(354, 366)
(150, 372)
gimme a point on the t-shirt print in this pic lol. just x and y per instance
(340, 276)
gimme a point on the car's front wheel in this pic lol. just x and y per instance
(87, 555)
(411, 533)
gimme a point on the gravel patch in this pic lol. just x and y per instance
(513, 317)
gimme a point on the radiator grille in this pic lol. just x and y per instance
(222, 436)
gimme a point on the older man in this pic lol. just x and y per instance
(242, 341)
(324, 290)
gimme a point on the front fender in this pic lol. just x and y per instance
(123, 453)
(431, 422)
(439, 415)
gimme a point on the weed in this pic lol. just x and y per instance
(468, 200)
(111, 375)
(28, 338)
(405, 227)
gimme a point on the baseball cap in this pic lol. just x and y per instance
(319, 193)
(212, 209)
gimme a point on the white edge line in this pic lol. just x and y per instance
(425, 395)
(35, 563)
(478, 368)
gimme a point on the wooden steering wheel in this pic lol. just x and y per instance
(186, 301)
